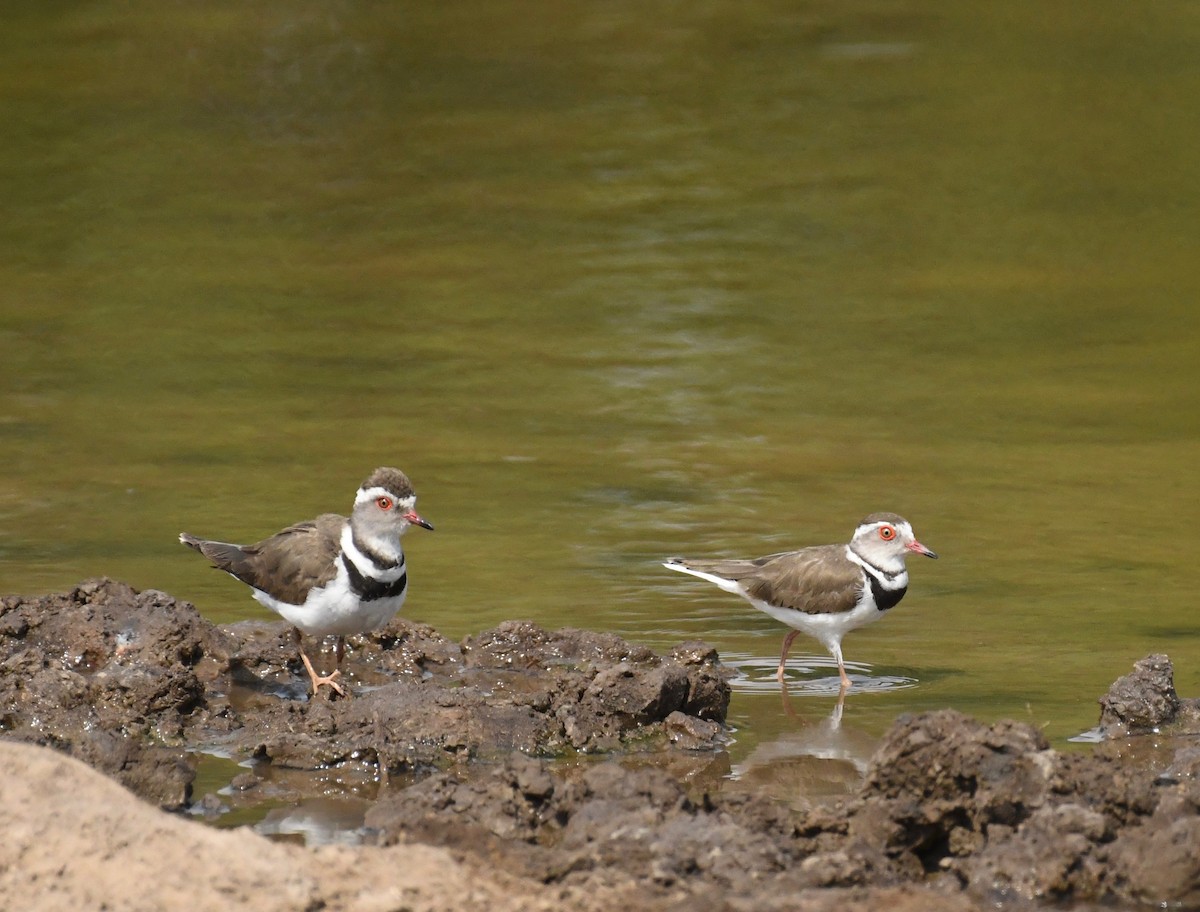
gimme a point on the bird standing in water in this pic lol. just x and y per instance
(824, 591)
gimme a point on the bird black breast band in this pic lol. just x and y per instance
(884, 598)
(370, 590)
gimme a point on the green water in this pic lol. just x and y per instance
(618, 281)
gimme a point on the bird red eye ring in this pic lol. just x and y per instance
(384, 503)
(887, 533)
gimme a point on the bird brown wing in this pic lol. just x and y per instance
(819, 580)
(286, 565)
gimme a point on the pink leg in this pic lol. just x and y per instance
(836, 649)
(845, 677)
(787, 644)
(318, 680)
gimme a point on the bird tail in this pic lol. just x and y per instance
(706, 569)
(710, 571)
(225, 556)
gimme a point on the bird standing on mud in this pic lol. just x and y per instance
(331, 575)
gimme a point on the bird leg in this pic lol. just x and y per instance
(787, 644)
(836, 649)
(837, 654)
(318, 680)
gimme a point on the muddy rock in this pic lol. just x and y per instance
(126, 680)
(517, 688)
(992, 810)
(512, 770)
(1142, 700)
(951, 806)
(939, 781)
(1157, 862)
(69, 847)
(111, 676)
(1051, 856)
(601, 825)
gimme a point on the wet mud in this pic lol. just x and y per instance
(133, 683)
(577, 767)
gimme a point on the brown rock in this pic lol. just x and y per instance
(1142, 700)
(954, 813)
(123, 679)
(1050, 856)
(1158, 861)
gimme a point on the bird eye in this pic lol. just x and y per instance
(384, 503)
(887, 533)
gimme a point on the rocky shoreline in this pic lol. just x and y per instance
(458, 747)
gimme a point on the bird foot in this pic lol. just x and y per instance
(318, 680)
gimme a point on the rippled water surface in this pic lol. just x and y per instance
(618, 281)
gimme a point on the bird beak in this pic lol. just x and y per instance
(919, 548)
(416, 520)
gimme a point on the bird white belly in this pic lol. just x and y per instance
(334, 609)
(828, 629)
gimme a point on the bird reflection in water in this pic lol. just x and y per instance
(821, 756)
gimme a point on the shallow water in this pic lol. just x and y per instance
(614, 283)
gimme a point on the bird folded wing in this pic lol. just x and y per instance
(817, 580)
(282, 565)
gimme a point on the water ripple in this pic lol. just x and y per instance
(805, 675)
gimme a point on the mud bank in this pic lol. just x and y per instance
(132, 683)
(480, 807)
